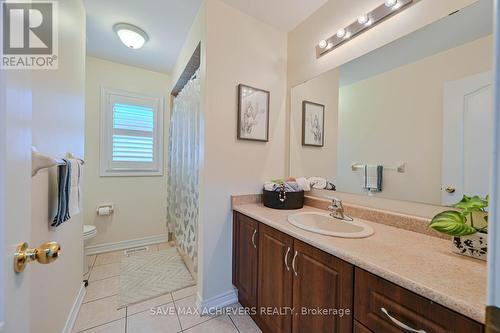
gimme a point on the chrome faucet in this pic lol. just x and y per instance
(337, 209)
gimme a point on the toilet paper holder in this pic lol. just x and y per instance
(110, 206)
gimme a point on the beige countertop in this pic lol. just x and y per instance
(417, 262)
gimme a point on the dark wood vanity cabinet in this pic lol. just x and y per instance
(381, 306)
(291, 275)
(275, 273)
(245, 259)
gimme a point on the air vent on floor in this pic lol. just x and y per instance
(129, 252)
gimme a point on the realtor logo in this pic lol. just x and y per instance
(29, 35)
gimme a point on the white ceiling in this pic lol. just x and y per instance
(282, 14)
(167, 23)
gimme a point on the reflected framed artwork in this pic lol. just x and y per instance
(313, 123)
(253, 113)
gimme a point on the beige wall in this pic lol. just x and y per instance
(140, 202)
(58, 128)
(253, 53)
(315, 161)
(302, 62)
(397, 117)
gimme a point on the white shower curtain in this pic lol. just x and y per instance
(183, 168)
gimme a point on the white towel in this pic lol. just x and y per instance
(317, 182)
(74, 193)
(271, 186)
(373, 177)
(303, 184)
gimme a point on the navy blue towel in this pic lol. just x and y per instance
(63, 188)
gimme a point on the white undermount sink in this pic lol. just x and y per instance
(322, 223)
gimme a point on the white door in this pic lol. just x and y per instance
(15, 196)
(467, 137)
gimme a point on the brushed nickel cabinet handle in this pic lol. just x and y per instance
(401, 324)
(253, 238)
(286, 259)
(293, 263)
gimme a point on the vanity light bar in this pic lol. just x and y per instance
(362, 24)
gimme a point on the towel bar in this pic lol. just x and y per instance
(40, 161)
(399, 168)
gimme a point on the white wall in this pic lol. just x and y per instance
(315, 161)
(140, 202)
(252, 53)
(58, 128)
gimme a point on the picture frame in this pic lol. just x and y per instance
(253, 113)
(313, 124)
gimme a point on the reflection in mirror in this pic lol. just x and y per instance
(413, 116)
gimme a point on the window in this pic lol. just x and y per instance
(131, 134)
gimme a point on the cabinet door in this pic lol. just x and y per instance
(275, 280)
(245, 256)
(322, 291)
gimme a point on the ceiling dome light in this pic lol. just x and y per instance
(133, 37)
(390, 3)
(322, 44)
(363, 19)
(341, 33)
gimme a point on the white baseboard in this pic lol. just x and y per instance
(216, 302)
(126, 244)
(70, 322)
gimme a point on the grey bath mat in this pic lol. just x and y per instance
(148, 275)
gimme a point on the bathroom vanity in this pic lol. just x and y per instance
(406, 128)
(392, 279)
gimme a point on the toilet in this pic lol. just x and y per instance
(89, 232)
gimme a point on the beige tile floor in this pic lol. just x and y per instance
(170, 313)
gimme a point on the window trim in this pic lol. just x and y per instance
(107, 169)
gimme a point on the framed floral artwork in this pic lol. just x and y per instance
(313, 123)
(253, 113)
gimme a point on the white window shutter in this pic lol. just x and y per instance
(131, 134)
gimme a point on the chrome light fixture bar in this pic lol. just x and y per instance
(362, 24)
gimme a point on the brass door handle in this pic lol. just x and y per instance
(450, 189)
(44, 254)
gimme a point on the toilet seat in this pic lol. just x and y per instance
(89, 231)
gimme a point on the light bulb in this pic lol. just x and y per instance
(363, 19)
(322, 44)
(341, 33)
(347, 35)
(330, 45)
(390, 3)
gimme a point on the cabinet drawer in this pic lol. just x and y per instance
(373, 294)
